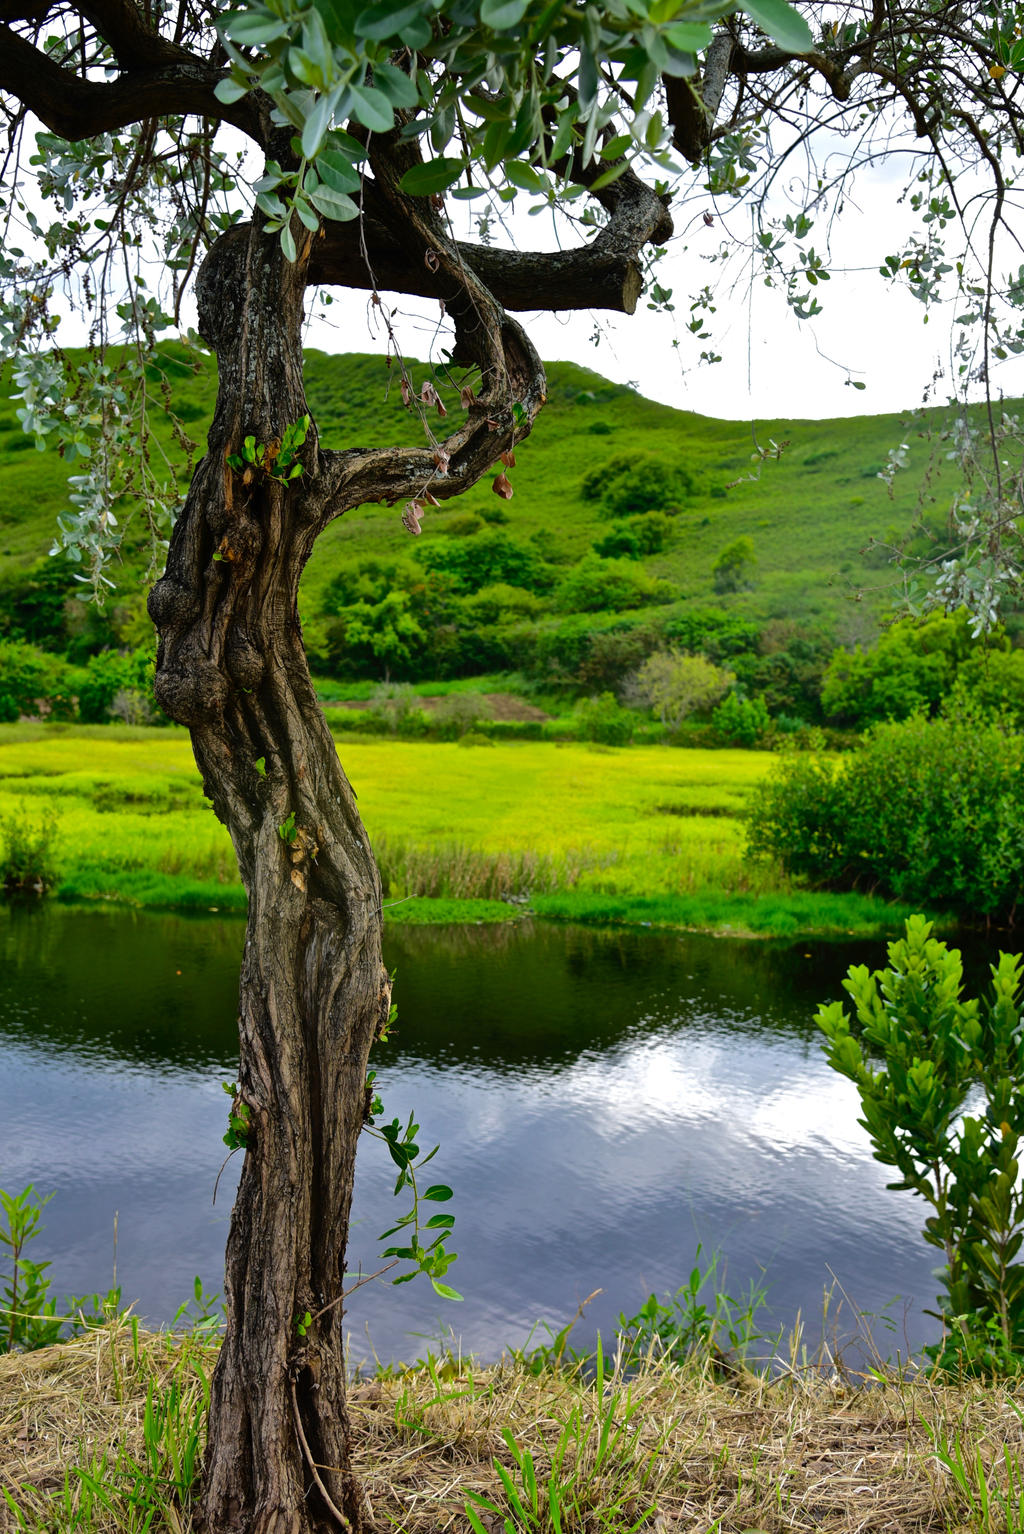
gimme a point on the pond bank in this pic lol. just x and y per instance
(811, 1448)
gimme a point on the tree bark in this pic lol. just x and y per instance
(314, 992)
(313, 988)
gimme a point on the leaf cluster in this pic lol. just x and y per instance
(918, 1052)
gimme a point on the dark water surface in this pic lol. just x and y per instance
(605, 1101)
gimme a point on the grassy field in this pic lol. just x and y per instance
(645, 834)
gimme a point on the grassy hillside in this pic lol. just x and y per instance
(809, 515)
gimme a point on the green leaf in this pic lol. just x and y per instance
(315, 127)
(782, 23)
(445, 1290)
(502, 14)
(288, 243)
(306, 214)
(230, 90)
(438, 1193)
(386, 20)
(417, 34)
(334, 205)
(526, 177)
(342, 143)
(372, 108)
(252, 29)
(396, 85)
(688, 36)
(433, 176)
(337, 173)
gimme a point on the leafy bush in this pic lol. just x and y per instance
(31, 682)
(928, 811)
(911, 669)
(127, 678)
(789, 668)
(497, 603)
(740, 721)
(371, 638)
(596, 585)
(486, 559)
(719, 635)
(27, 853)
(604, 721)
(395, 707)
(734, 566)
(635, 537)
(938, 1050)
(460, 713)
(632, 483)
(614, 654)
(674, 685)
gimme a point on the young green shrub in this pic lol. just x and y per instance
(928, 811)
(631, 484)
(124, 678)
(27, 853)
(741, 721)
(459, 713)
(604, 721)
(734, 567)
(597, 585)
(28, 1316)
(936, 1050)
(699, 1321)
(395, 707)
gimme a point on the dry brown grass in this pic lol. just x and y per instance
(698, 1453)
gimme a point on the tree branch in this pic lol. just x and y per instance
(130, 36)
(75, 108)
(602, 275)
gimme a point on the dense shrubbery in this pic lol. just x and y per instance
(928, 811)
(485, 560)
(37, 606)
(601, 585)
(634, 483)
(915, 666)
(635, 538)
(34, 682)
(604, 721)
(118, 686)
(741, 721)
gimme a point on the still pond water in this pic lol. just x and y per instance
(604, 1102)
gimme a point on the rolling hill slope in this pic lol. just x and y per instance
(808, 515)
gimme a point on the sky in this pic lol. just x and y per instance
(773, 366)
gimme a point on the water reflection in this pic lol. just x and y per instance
(604, 1101)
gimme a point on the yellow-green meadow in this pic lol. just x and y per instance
(641, 833)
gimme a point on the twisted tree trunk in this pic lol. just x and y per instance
(313, 988)
(314, 992)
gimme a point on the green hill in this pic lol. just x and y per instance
(604, 466)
